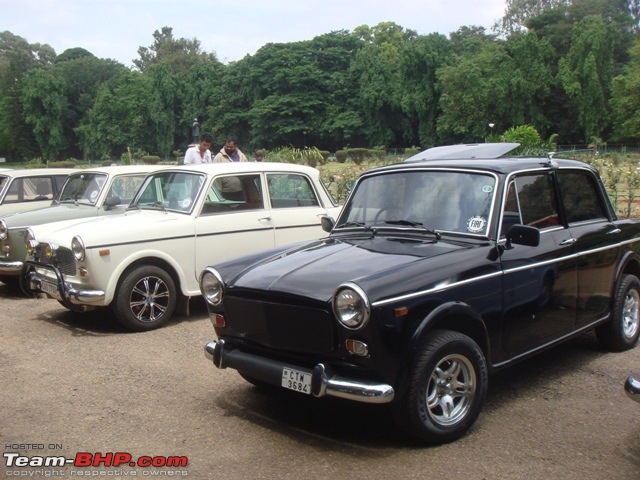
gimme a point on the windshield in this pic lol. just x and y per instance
(3, 181)
(444, 201)
(175, 191)
(83, 188)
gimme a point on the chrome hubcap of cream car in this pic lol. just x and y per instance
(451, 389)
(149, 299)
(630, 313)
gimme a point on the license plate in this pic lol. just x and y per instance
(296, 380)
(49, 288)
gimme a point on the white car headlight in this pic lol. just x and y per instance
(77, 247)
(351, 306)
(211, 286)
(4, 231)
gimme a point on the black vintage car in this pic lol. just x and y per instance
(439, 270)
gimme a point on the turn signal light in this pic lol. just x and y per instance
(218, 320)
(356, 347)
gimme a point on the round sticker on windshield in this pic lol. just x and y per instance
(487, 189)
(476, 224)
(185, 203)
(94, 196)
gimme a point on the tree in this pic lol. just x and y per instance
(626, 99)
(586, 73)
(519, 12)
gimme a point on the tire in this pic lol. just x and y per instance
(622, 331)
(446, 389)
(145, 299)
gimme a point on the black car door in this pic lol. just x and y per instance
(539, 282)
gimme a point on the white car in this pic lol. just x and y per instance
(86, 193)
(146, 262)
(29, 188)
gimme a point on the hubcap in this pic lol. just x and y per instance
(451, 390)
(149, 299)
(630, 316)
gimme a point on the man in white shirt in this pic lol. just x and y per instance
(200, 153)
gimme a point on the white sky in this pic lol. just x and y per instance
(230, 28)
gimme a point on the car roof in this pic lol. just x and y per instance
(35, 172)
(121, 169)
(245, 167)
(483, 156)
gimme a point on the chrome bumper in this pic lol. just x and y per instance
(10, 267)
(632, 387)
(322, 381)
(71, 297)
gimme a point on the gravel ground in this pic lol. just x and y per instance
(74, 383)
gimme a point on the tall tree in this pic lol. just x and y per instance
(626, 99)
(586, 73)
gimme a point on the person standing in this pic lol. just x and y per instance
(199, 153)
(230, 153)
(259, 156)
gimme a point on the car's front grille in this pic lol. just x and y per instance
(281, 326)
(63, 259)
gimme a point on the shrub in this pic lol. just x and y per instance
(341, 156)
(63, 164)
(150, 159)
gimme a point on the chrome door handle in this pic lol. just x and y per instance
(615, 230)
(568, 241)
(264, 219)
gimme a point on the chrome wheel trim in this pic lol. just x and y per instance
(149, 299)
(451, 390)
(630, 313)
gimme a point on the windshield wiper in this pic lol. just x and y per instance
(411, 223)
(157, 205)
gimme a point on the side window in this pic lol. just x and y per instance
(30, 189)
(580, 197)
(530, 201)
(231, 193)
(291, 190)
(125, 187)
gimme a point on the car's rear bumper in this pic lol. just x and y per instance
(322, 381)
(632, 387)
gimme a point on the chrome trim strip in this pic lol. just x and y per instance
(503, 272)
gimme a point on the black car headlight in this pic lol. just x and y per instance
(351, 306)
(211, 286)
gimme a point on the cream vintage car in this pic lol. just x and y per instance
(147, 262)
(26, 189)
(90, 192)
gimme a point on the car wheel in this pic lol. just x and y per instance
(446, 390)
(145, 298)
(622, 331)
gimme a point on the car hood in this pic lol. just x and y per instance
(55, 213)
(132, 226)
(383, 266)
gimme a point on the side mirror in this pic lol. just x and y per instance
(111, 202)
(327, 223)
(523, 235)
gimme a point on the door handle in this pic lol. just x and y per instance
(615, 230)
(568, 241)
(264, 219)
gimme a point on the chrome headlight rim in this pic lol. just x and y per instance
(212, 286)
(4, 231)
(78, 248)
(359, 303)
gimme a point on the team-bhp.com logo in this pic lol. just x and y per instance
(86, 459)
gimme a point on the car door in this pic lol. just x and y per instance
(295, 207)
(539, 282)
(232, 220)
(595, 242)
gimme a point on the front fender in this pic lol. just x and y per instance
(110, 271)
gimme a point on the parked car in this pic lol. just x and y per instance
(147, 261)
(29, 188)
(86, 193)
(436, 273)
(632, 387)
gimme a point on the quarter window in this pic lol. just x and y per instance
(580, 197)
(291, 190)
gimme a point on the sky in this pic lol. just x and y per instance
(231, 29)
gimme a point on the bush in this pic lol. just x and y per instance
(410, 152)
(341, 156)
(64, 164)
(150, 159)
